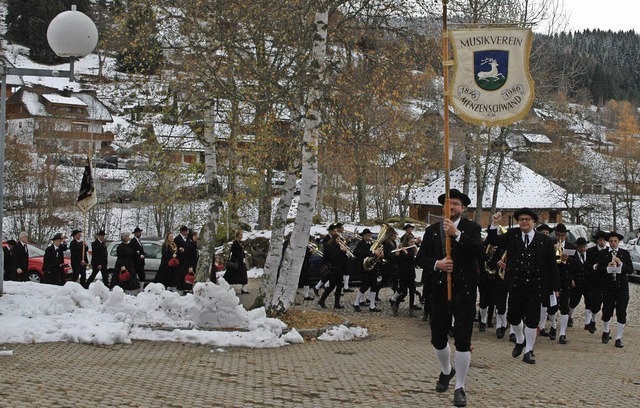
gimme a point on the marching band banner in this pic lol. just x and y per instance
(491, 85)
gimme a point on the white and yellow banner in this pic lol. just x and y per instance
(491, 85)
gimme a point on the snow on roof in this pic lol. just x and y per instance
(536, 138)
(519, 187)
(63, 100)
(95, 107)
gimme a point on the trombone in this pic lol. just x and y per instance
(314, 248)
(344, 247)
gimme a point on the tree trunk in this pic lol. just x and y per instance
(207, 237)
(285, 291)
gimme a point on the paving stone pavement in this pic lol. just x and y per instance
(395, 366)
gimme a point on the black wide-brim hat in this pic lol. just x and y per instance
(544, 227)
(526, 211)
(455, 193)
(365, 231)
(406, 226)
(561, 228)
(101, 233)
(75, 231)
(137, 229)
(600, 234)
(581, 241)
(57, 236)
(615, 234)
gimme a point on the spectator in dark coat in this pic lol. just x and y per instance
(79, 258)
(139, 255)
(236, 273)
(170, 268)
(190, 265)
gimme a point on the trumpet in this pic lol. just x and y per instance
(502, 271)
(314, 248)
(344, 247)
(559, 259)
(491, 249)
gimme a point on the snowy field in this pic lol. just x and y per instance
(212, 315)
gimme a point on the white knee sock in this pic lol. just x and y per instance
(619, 331)
(462, 362)
(305, 290)
(318, 285)
(395, 296)
(518, 331)
(444, 357)
(530, 334)
(483, 315)
(245, 288)
(607, 324)
(345, 280)
(552, 319)
(571, 312)
(564, 322)
(358, 299)
(587, 316)
(372, 300)
(543, 317)
(501, 320)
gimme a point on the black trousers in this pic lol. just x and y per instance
(335, 282)
(407, 285)
(500, 296)
(486, 289)
(595, 297)
(615, 299)
(577, 293)
(524, 305)
(563, 303)
(464, 311)
(369, 281)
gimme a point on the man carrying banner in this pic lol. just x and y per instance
(466, 252)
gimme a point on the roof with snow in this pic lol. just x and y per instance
(519, 187)
(63, 100)
(37, 106)
(536, 138)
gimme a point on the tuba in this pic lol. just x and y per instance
(559, 251)
(372, 261)
(491, 249)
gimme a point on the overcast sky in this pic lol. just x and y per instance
(612, 15)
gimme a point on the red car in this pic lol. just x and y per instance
(36, 259)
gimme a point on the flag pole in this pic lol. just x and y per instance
(84, 212)
(445, 73)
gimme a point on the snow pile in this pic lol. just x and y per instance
(37, 313)
(338, 333)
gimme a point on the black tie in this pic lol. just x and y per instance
(526, 240)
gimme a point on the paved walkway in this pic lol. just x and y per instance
(394, 367)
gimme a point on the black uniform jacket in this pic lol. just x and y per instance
(620, 280)
(547, 279)
(465, 254)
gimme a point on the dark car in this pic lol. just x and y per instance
(36, 259)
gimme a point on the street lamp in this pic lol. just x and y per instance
(70, 34)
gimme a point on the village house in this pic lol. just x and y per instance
(56, 121)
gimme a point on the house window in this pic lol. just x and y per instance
(188, 158)
(80, 127)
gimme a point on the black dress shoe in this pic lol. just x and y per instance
(570, 323)
(459, 398)
(543, 333)
(605, 337)
(245, 292)
(364, 303)
(416, 307)
(356, 308)
(322, 305)
(592, 327)
(309, 298)
(316, 291)
(338, 307)
(587, 326)
(347, 290)
(619, 343)
(529, 358)
(552, 334)
(375, 309)
(483, 327)
(443, 381)
(512, 337)
(562, 339)
(500, 331)
(489, 323)
(394, 308)
(517, 349)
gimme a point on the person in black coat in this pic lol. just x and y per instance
(9, 268)
(596, 282)
(615, 266)
(79, 259)
(566, 265)
(369, 277)
(169, 271)
(580, 283)
(139, 255)
(466, 252)
(124, 273)
(21, 257)
(531, 276)
(190, 263)
(236, 273)
(99, 259)
(406, 275)
(53, 262)
(336, 261)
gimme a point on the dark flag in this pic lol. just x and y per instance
(87, 196)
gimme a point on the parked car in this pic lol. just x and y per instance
(574, 231)
(152, 249)
(36, 259)
(633, 246)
